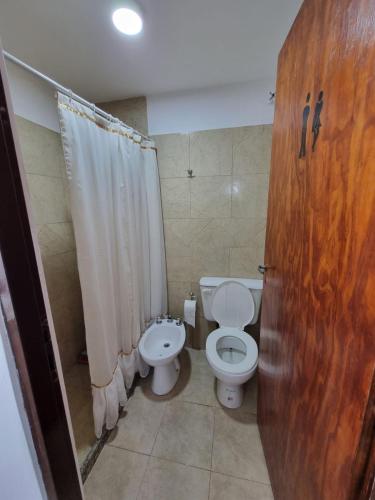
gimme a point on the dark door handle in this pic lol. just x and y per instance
(262, 269)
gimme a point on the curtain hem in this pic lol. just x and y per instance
(108, 399)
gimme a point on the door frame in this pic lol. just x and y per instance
(27, 314)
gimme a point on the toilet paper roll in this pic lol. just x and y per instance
(189, 312)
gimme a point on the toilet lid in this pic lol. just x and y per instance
(232, 305)
(223, 337)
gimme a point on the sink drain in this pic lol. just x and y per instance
(167, 344)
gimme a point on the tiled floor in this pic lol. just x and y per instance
(183, 446)
(78, 389)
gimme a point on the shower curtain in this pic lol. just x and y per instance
(117, 219)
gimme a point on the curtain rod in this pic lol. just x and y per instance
(67, 92)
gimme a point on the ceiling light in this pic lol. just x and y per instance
(128, 20)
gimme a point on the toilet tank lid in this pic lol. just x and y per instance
(214, 281)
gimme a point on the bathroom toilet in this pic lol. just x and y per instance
(159, 347)
(231, 352)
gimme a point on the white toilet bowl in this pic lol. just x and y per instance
(231, 352)
(159, 347)
(233, 357)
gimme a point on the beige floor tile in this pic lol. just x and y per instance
(116, 475)
(83, 429)
(197, 356)
(166, 480)
(200, 386)
(250, 396)
(185, 434)
(237, 449)
(187, 358)
(224, 487)
(138, 425)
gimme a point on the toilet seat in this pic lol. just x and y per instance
(247, 364)
(232, 305)
(233, 308)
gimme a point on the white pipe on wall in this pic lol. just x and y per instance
(64, 90)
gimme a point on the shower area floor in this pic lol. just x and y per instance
(183, 446)
(78, 389)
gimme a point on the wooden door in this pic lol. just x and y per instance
(23, 308)
(317, 346)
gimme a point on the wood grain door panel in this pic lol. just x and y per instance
(317, 347)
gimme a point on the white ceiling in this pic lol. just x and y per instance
(186, 44)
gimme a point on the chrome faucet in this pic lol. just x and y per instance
(169, 318)
(178, 322)
(158, 320)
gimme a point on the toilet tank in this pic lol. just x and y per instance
(209, 283)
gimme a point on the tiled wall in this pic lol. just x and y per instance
(215, 222)
(44, 164)
(131, 111)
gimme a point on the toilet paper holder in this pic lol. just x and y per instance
(192, 296)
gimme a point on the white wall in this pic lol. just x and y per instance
(20, 476)
(234, 105)
(227, 106)
(32, 98)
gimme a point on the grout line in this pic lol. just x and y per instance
(241, 478)
(184, 176)
(231, 184)
(213, 438)
(190, 180)
(180, 463)
(157, 433)
(46, 175)
(127, 449)
(209, 486)
(143, 478)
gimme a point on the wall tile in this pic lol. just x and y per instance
(250, 195)
(56, 238)
(244, 262)
(211, 152)
(209, 263)
(41, 149)
(131, 111)
(251, 149)
(61, 274)
(67, 313)
(201, 332)
(47, 199)
(175, 197)
(173, 154)
(179, 268)
(210, 197)
(230, 232)
(177, 293)
(195, 288)
(48, 186)
(220, 222)
(179, 235)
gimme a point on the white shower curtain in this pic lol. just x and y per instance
(117, 219)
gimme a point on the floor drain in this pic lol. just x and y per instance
(167, 344)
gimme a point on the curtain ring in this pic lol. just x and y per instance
(70, 96)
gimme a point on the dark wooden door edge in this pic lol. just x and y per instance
(23, 305)
(364, 467)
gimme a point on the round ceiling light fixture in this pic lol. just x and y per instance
(128, 18)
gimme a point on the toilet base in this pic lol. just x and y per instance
(165, 377)
(230, 396)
